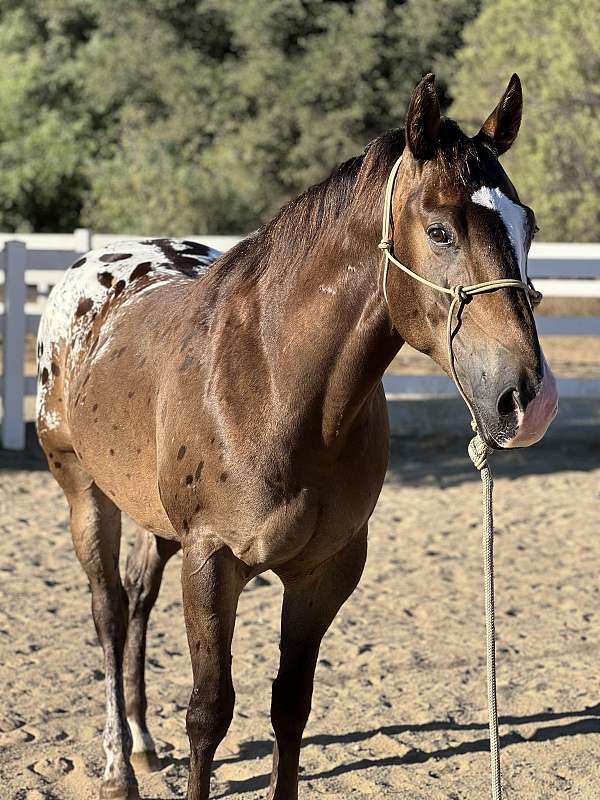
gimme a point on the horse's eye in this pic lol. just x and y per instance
(438, 234)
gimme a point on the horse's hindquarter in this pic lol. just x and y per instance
(102, 346)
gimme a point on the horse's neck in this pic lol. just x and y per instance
(333, 337)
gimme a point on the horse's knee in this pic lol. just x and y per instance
(209, 715)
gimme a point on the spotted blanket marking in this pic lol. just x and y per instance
(125, 270)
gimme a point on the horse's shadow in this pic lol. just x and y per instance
(588, 722)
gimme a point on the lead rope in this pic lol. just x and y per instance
(478, 451)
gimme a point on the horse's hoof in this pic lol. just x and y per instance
(145, 761)
(110, 790)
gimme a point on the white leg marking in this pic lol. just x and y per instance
(142, 740)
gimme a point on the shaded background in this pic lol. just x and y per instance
(175, 117)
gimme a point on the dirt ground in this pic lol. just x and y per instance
(399, 706)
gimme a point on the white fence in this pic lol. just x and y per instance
(36, 260)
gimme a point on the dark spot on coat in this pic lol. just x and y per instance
(141, 269)
(185, 342)
(199, 469)
(119, 286)
(187, 362)
(118, 353)
(223, 477)
(181, 452)
(106, 279)
(189, 480)
(55, 369)
(111, 451)
(85, 304)
(138, 450)
(57, 464)
(196, 248)
(78, 263)
(95, 407)
(110, 258)
(177, 260)
(45, 375)
(130, 394)
(197, 509)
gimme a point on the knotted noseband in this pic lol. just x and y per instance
(459, 294)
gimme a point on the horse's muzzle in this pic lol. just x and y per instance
(533, 419)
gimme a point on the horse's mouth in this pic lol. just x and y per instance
(522, 427)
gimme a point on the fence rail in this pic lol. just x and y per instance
(37, 260)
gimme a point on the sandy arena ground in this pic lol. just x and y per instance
(399, 706)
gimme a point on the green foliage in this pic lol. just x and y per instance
(555, 163)
(173, 117)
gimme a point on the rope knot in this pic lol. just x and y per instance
(535, 297)
(459, 293)
(385, 244)
(478, 452)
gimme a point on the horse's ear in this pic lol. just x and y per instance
(502, 126)
(423, 119)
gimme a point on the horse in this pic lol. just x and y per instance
(232, 405)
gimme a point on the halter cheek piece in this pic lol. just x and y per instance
(459, 294)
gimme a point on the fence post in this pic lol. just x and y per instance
(83, 239)
(13, 383)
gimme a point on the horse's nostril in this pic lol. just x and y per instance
(508, 402)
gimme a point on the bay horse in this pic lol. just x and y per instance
(232, 405)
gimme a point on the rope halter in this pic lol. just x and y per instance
(478, 450)
(460, 294)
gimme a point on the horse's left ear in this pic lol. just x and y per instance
(502, 126)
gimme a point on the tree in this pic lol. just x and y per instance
(173, 117)
(555, 163)
(45, 132)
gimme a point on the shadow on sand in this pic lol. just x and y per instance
(584, 721)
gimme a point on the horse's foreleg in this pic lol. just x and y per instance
(310, 603)
(211, 588)
(145, 564)
(96, 530)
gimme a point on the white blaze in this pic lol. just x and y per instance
(514, 218)
(533, 423)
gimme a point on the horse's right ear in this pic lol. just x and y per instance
(423, 119)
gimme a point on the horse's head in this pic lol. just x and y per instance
(457, 221)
